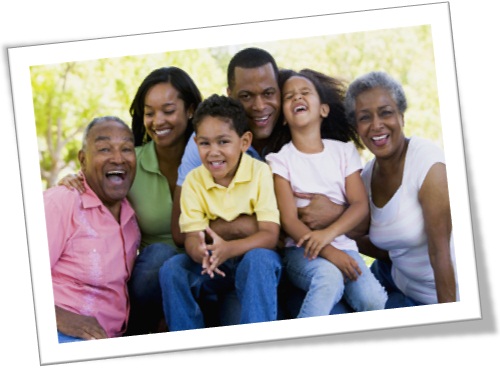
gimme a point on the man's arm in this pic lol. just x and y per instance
(222, 250)
(320, 212)
(76, 325)
(241, 227)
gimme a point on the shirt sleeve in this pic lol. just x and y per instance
(193, 215)
(425, 155)
(266, 208)
(278, 164)
(56, 235)
(353, 160)
(190, 160)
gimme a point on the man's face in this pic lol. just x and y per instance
(108, 161)
(257, 89)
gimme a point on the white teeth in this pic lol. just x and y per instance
(116, 172)
(217, 163)
(162, 132)
(262, 119)
(299, 108)
(380, 137)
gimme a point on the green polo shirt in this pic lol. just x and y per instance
(151, 199)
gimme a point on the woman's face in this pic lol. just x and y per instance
(165, 116)
(379, 122)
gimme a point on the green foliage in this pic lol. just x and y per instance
(67, 96)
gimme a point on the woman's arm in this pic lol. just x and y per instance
(73, 181)
(366, 247)
(434, 199)
(178, 237)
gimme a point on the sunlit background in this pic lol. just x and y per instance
(68, 96)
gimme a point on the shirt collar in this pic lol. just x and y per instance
(91, 200)
(243, 173)
(149, 161)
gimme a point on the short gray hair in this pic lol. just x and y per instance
(98, 120)
(376, 79)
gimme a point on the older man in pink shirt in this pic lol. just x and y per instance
(93, 237)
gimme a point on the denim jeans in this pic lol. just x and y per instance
(254, 276)
(144, 289)
(382, 271)
(62, 338)
(324, 284)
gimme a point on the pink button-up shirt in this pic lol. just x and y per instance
(91, 255)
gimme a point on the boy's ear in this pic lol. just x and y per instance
(324, 110)
(246, 141)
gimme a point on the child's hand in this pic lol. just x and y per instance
(346, 264)
(195, 246)
(219, 252)
(209, 270)
(315, 241)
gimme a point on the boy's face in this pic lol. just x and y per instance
(220, 148)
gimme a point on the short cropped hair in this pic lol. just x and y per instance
(225, 108)
(249, 58)
(375, 79)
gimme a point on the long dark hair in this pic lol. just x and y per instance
(331, 91)
(181, 81)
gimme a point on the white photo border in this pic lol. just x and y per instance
(21, 58)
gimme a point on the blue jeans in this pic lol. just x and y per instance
(382, 271)
(254, 276)
(144, 289)
(324, 284)
(66, 338)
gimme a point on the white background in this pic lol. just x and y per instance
(475, 30)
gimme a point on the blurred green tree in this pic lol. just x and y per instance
(67, 96)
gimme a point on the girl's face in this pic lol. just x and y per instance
(165, 116)
(301, 103)
(379, 122)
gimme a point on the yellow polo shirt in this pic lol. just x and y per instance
(250, 192)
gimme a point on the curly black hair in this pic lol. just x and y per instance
(225, 108)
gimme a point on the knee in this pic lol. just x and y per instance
(263, 259)
(156, 254)
(171, 269)
(328, 278)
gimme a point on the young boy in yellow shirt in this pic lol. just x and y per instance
(229, 183)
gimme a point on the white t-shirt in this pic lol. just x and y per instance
(399, 227)
(323, 173)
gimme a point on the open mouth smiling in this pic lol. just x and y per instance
(299, 108)
(262, 121)
(217, 164)
(116, 176)
(380, 140)
(163, 132)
